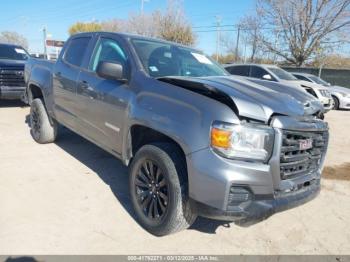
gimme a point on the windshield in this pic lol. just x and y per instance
(13, 53)
(282, 74)
(318, 80)
(163, 59)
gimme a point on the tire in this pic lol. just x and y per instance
(42, 130)
(336, 103)
(169, 170)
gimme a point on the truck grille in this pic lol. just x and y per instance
(294, 161)
(12, 76)
(325, 93)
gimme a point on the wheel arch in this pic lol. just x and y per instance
(140, 135)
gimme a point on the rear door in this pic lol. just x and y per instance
(105, 100)
(65, 77)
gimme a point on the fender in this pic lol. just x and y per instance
(182, 115)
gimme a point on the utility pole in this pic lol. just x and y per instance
(142, 5)
(237, 43)
(218, 35)
(44, 39)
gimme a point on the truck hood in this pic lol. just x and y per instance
(10, 63)
(252, 100)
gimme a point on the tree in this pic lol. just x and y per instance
(13, 38)
(251, 28)
(298, 28)
(173, 25)
(84, 27)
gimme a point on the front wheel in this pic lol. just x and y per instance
(42, 130)
(158, 188)
(336, 103)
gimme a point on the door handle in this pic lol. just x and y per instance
(85, 85)
(89, 90)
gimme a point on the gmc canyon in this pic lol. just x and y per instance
(12, 60)
(197, 141)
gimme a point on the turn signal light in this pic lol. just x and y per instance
(220, 138)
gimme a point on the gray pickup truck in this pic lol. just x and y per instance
(197, 141)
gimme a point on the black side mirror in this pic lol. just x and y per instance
(109, 70)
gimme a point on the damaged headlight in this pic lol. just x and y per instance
(244, 142)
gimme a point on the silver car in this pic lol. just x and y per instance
(340, 95)
(276, 74)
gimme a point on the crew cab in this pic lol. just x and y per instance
(276, 74)
(197, 140)
(12, 60)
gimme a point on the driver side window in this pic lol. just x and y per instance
(258, 72)
(107, 50)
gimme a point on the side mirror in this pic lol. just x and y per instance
(112, 71)
(267, 77)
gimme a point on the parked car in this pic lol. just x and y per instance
(276, 74)
(340, 95)
(197, 141)
(12, 60)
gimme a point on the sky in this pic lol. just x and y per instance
(28, 17)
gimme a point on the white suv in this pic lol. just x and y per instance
(274, 73)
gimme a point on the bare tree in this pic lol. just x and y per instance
(303, 26)
(251, 26)
(114, 25)
(13, 38)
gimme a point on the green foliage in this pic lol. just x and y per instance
(80, 27)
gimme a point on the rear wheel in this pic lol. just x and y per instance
(42, 130)
(336, 103)
(158, 189)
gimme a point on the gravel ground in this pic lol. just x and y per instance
(72, 198)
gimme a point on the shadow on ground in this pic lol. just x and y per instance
(12, 103)
(113, 173)
(21, 259)
(339, 172)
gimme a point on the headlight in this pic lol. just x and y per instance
(245, 142)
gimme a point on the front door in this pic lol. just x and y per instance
(106, 100)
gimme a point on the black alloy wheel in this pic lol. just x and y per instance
(151, 188)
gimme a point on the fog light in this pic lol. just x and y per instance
(238, 195)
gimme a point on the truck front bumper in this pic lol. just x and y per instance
(261, 207)
(328, 103)
(11, 92)
(234, 190)
(213, 181)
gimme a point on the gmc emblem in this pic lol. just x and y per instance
(305, 144)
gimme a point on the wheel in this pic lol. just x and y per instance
(158, 189)
(42, 130)
(336, 103)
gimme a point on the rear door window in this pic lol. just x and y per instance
(238, 70)
(76, 50)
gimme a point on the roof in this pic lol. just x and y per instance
(251, 64)
(302, 74)
(135, 36)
